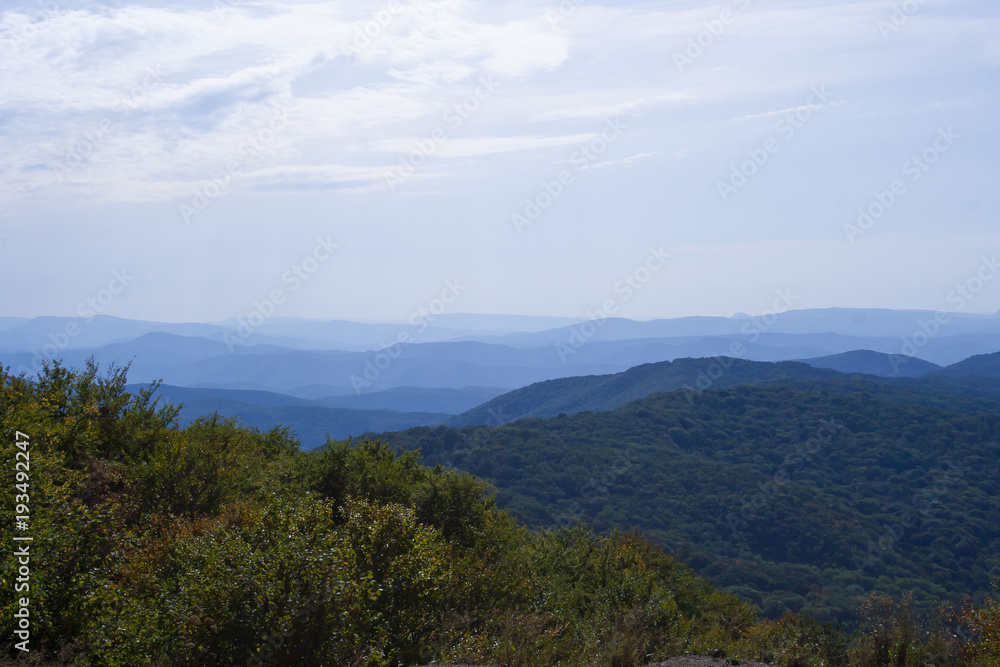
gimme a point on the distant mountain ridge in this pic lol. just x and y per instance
(197, 361)
(311, 424)
(313, 420)
(861, 322)
(74, 333)
(874, 363)
(515, 330)
(980, 365)
(399, 408)
(401, 399)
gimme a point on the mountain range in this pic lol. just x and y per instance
(342, 378)
(722, 454)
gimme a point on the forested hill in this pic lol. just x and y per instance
(799, 499)
(948, 388)
(606, 392)
(217, 544)
(980, 365)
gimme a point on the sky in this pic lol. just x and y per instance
(333, 160)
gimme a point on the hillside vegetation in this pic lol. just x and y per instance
(222, 545)
(799, 499)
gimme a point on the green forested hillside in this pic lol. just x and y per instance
(606, 392)
(800, 500)
(955, 394)
(222, 545)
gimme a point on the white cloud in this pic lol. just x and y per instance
(790, 110)
(456, 148)
(624, 160)
(364, 69)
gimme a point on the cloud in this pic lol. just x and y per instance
(587, 108)
(457, 148)
(790, 110)
(624, 160)
(182, 87)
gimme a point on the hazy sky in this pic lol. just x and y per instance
(360, 159)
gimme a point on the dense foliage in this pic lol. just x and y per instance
(801, 500)
(222, 545)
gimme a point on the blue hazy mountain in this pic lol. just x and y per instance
(338, 416)
(874, 363)
(311, 424)
(400, 399)
(416, 399)
(311, 421)
(980, 365)
(189, 395)
(507, 352)
(861, 322)
(521, 331)
(67, 333)
(198, 361)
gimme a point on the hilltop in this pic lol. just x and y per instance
(874, 363)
